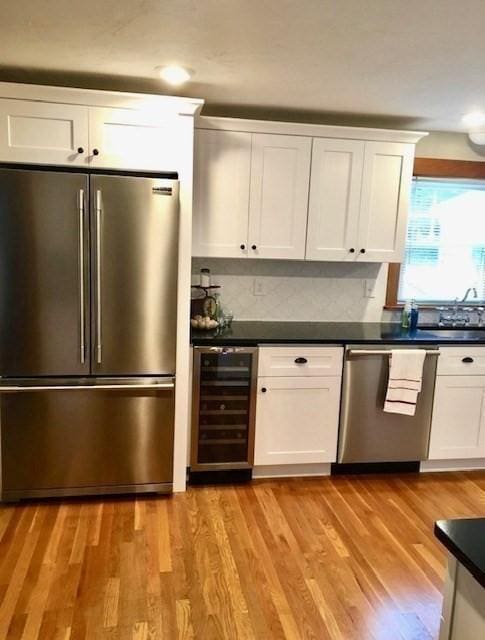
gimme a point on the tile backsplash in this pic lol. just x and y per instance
(298, 291)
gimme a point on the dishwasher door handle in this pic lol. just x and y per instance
(379, 352)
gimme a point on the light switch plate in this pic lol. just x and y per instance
(259, 287)
(369, 288)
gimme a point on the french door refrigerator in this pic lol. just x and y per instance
(88, 281)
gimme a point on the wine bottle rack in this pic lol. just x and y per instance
(223, 413)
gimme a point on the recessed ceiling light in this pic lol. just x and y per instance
(174, 74)
(474, 119)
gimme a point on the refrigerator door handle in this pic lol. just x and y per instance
(81, 277)
(85, 387)
(98, 277)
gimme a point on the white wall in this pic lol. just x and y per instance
(452, 146)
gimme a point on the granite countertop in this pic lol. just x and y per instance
(464, 539)
(265, 332)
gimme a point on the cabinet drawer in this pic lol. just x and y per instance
(300, 361)
(461, 361)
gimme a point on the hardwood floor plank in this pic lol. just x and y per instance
(339, 558)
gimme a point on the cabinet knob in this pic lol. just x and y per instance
(352, 250)
(80, 150)
(467, 360)
(95, 152)
(362, 250)
(263, 389)
(242, 246)
(254, 247)
(301, 361)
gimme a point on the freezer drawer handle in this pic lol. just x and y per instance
(467, 359)
(98, 277)
(99, 387)
(301, 361)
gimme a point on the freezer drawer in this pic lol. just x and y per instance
(106, 438)
(367, 433)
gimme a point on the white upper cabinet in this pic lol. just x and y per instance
(358, 200)
(332, 193)
(83, 128)
(386, 181)
(40, 132)
(129, 139)
(222, 164)
(334, 205)
(250, 194)
(280, 174)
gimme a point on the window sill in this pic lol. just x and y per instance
(429, 307)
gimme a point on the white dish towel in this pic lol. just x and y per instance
(405, 379)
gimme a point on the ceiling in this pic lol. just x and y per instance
(412, 63)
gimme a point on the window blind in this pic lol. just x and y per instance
(445, 241)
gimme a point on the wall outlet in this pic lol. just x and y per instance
(369, 288)
(259, 287)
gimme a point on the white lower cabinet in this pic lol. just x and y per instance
(458, 426)
(297, 420)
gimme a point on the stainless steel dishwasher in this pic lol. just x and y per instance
(367, 433)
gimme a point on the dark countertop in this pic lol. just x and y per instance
(253, 333)
(465, 539)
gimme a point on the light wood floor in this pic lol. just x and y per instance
(342, 558)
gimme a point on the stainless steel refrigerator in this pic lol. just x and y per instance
(88, 281)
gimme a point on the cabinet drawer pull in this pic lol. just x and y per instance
(301, 361)
(467, 359)
(263, 390)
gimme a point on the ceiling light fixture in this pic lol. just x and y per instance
(174, 74)
(475, 123)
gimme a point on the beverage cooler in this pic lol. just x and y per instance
(223, 416)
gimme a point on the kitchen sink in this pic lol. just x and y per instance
(458, 333)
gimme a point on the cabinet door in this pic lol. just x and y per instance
(334, 205)
(458, 426)
(386, 181)
(44, 273)
(44, 133)
(129, 139)
(221, 193)
(280, 174)
(297, 420)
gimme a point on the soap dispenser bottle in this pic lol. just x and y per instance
(413, 319)
(406, 316)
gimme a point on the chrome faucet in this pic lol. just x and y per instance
(465, 297)
(480, 311)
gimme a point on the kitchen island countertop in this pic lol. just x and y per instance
(465, 540)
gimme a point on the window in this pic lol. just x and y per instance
(445, 242)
